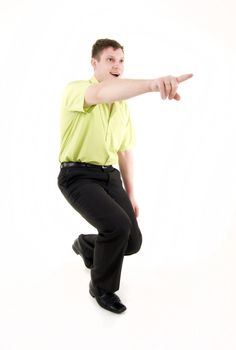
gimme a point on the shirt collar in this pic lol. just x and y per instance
(94, 80)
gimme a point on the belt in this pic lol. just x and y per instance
(83, 165)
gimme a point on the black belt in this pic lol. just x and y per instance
(88, 165)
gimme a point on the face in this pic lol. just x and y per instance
(110, 64)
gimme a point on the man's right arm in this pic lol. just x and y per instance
(122, 89)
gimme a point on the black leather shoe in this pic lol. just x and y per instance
(79, 251)
(109, 301)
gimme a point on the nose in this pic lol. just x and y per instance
(117, 65)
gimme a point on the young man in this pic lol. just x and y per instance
(96, 133)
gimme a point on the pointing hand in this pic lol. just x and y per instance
(167, 86)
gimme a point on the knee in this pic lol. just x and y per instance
(134, 245)
(118, 229)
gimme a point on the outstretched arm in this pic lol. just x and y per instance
(113, 90)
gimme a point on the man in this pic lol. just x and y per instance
(97, 133)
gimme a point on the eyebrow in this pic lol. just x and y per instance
(110, 56)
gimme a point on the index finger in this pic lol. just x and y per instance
(183, 77)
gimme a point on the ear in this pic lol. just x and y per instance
(93, 62)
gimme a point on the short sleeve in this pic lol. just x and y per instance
(129, 139)
(73, 97)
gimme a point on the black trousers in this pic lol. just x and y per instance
(98, 195)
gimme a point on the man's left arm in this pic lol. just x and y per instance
(125, 160)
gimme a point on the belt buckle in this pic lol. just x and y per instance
(104, 166)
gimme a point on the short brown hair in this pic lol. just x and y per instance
(102, 44)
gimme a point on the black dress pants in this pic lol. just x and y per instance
(98, 195)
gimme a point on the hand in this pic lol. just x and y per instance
(134, 205)
(167, 86)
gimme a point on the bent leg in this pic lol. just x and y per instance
(118, 193)
(114, 227)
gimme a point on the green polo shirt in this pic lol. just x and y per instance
(96, 133)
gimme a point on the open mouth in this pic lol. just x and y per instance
(115, 75)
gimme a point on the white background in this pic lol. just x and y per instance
(180, 289)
